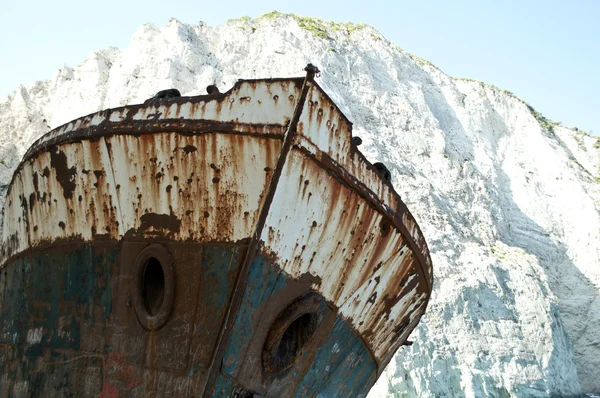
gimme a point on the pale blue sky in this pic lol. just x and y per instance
(546, 52)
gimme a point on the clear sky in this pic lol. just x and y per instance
(546, 52)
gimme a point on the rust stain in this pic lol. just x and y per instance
(64, 175)
(189, 149)
(32, 199)
(160, 221)
(309, 279)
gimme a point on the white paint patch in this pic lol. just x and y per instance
(34, 336)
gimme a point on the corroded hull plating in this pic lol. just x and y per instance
(236, 244)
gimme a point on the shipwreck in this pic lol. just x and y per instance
(233, 244)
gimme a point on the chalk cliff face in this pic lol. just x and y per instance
(508, 201)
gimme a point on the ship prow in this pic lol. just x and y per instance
(233, 244)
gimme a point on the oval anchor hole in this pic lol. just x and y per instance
(292, 333)
(153, 286)
(294, 338)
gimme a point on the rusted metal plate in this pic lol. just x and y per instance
(217, 279)
(206, 187)
(352, 253)
(326, 133)
(324, 125)
(71, 305)
(251, 106)
(335, 358)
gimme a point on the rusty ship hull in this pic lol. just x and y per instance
(229, 245)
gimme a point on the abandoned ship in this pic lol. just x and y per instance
(232, 244)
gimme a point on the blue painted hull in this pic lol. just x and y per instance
(69, 329)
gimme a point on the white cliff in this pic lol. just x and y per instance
(509, 202)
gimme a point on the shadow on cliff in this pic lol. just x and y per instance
(522, 232)
(565, 280)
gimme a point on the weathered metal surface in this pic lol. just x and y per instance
(293, 267)
(88, 324)
(355, 257)
(71, 305)
(326, 134)
(124, 151)
(333, 350)
(251, 106)
(253, 246)
(206, 187)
